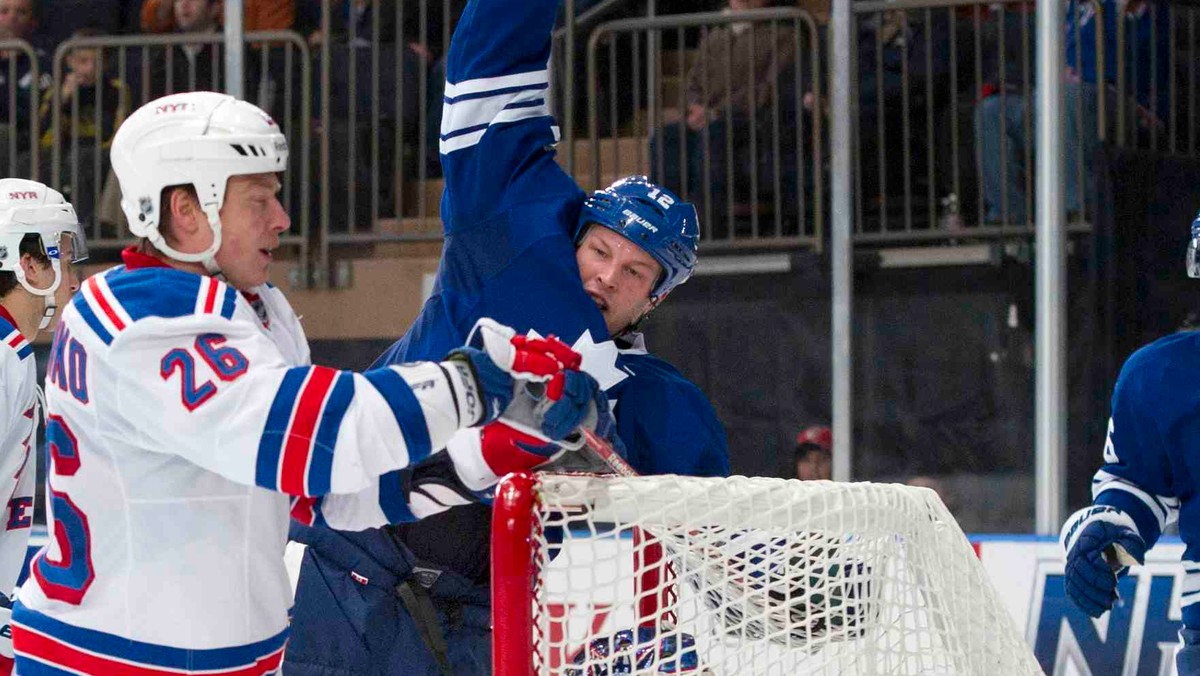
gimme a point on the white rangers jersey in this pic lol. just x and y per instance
(18, 406)
(183, 425)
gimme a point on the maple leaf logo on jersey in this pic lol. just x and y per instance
(599, 359)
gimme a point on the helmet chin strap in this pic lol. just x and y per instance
(635, 324)
(214, 222)
(50, 307)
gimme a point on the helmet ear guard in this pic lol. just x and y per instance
(653, 218)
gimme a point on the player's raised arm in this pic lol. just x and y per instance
(497, 135)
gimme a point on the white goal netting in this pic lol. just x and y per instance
(746, 576)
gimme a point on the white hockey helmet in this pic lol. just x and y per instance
(31, 208)
(198, 139)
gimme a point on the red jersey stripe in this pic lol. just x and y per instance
(108, 310)
(210, 301)
(52, 651)
(301, 432)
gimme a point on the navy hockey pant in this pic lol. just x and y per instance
(349, 618)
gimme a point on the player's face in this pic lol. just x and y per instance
(16, 18)
(252, 220)
(618, 275)
(69, 276)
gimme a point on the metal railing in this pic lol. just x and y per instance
(944, 110)
(21, 73)
(751, 158)
(362, 112)
(281, 84)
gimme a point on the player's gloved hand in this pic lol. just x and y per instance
(542, 422)
(1090, 578)
(533, 383)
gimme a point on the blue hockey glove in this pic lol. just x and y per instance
(1091, 537)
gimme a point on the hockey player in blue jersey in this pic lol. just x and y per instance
(1147, 480)
(525, 245)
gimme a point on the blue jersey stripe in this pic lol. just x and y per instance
(32, 667)
(320, 466)
(465, 130)
(154, 292)
(89, 316)
(392, 498)
(451, 100)
(230, 302)
(111, 645)
(406, 409)
(532, 103)
(24, 352)
(270, 446)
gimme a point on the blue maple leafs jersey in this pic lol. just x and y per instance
(1150, 458)
(510, 214)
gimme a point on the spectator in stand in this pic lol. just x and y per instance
(18, 20)
(350, 37)
(101, 109)
(93, 104)
(813, 456)
(195, 67)
(159, 16)
(1146, 44)
(732, 79)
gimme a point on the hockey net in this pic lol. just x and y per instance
(666, 574)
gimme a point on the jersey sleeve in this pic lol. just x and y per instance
(1137, 476)
(497, 134)
(223, 398)
(681, 436)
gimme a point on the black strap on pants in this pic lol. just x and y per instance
(420, 607)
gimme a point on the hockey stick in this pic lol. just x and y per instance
(604, 452)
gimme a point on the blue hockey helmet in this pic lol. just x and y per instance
(651, 217)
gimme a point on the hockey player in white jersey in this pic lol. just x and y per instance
(185, 425)
(40, 241)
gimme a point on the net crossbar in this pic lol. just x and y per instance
(666, 574)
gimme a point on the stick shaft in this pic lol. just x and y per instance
(604, 451)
